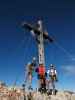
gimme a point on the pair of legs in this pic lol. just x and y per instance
(53, 77)
(29, 78)
(42, 81)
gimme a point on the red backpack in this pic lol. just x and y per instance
(41, 70)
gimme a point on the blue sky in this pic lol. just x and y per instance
(18, 47)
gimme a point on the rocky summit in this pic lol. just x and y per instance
(58, 96)
(17, 93)
(38, 96)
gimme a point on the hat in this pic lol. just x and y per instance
(34, 59)
(51, 65)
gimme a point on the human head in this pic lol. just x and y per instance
(41, 64)
(34, 59)
(51, 66)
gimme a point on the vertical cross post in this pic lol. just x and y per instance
(41, 44)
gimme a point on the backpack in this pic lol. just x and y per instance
(41, 70)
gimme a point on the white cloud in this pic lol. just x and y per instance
(69, 69)
(73, 59)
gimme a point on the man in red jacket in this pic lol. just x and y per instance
(41, 76)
